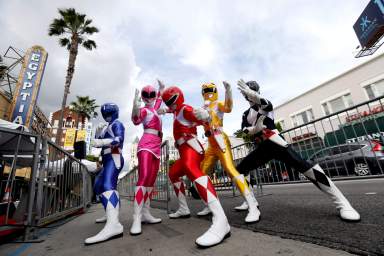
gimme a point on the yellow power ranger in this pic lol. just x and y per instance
(219, 146)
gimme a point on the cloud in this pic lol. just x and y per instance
(288, 46)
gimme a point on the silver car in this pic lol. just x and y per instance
(362, 158)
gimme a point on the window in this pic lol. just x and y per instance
(56, 123)
(337, 104)
(326, 109)
(302, 117)
(375, 90)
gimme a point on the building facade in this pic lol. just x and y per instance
(360, 84)
(70, 119)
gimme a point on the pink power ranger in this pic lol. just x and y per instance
(148, 153)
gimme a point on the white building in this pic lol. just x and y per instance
(359, 84)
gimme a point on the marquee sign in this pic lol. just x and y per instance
(370, 25)
(28, 86)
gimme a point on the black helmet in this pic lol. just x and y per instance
(253, 85)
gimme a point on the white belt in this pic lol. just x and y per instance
(153, 131)
(182, 139)
(109, 151)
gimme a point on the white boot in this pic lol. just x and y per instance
(220, 228)
(137, 210)
(325, 184)
(101, 219)
(204, 212)
(146, 214)
(253, 212)
(183, 211)
(242, 207)
(112, 228)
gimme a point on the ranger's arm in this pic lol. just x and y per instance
(227, 105)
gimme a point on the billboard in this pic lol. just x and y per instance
(28, 86)
(69, 139)
(369, 27)
(81, 135)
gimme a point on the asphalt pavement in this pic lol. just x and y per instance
(169, 238)
(303, 213)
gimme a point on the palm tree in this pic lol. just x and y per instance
(72, 27)
(85, 108)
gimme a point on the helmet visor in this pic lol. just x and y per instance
(171, 100)
(208, 90)
(148, 95)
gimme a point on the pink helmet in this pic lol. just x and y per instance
(148, 94)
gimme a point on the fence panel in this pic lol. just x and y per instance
(40, 182)
(346, 144)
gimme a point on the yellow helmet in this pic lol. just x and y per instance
(209, 91)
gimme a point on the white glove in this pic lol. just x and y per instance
(162, 111)
(201, 114)
(136, 104)
(249, 94)
(99, 129)
(98, 143)
(161, 86)
(227, 86)
(258, 127)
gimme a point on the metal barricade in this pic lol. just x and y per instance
(126, 186)
(40, 182)
(347, 144)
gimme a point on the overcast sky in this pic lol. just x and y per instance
(288, 46)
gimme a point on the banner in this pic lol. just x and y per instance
(28, 86)
(69, 138)
(81, 135)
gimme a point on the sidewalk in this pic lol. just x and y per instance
(171, 237)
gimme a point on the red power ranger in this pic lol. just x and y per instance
(191, 153)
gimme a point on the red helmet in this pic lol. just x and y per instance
(173, 97)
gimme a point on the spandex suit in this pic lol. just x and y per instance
(191, 153)
(219, 146)
(111, 142)
(258, 120)
(148, 154)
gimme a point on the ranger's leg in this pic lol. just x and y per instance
(220, 228)
(111, 202)
(317, 176)
(226, 160)
(175, 172)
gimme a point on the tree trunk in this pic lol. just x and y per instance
(68, 79)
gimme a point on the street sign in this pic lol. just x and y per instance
(28, 86)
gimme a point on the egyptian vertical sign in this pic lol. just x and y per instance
(28, 86)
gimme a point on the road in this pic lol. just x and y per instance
(302, 212)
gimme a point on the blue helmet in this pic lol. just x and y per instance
(110, 112)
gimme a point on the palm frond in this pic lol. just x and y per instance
(90, 30)
(64, 42)
(57, 27)
(89, 44)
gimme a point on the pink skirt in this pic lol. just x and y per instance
(151, 143)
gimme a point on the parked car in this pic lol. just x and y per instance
(362, 158)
